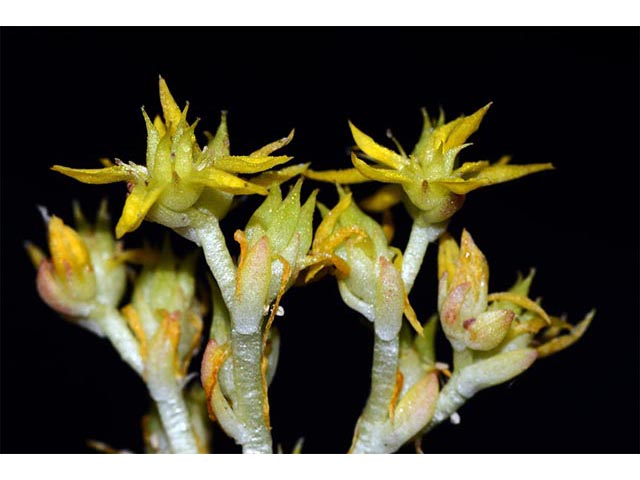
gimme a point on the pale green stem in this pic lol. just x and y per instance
(247, 373)
(115, 328)
(421, 235)
(218, 258)
(370, 434)
(175, 419)
(246, 349)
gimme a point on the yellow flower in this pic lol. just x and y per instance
(427, 179)
(180, 175)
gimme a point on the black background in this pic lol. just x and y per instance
(567, 96)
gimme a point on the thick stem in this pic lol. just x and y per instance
(116, 330)
(176, 421)
(371, 428)
(421, 235)
(218, 258)
(249, 409)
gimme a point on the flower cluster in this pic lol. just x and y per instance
(190, 189)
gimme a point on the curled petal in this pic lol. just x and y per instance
(455, 133)
(521, 301)
(385, 175)
(560, 343)
(328, 223)
(273, 146)
(379, 153)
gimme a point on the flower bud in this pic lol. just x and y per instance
(164, 314)
(462, 295)
(83, 271)
(288, 227)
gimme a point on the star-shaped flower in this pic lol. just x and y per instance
(428, 179)
(180, 175)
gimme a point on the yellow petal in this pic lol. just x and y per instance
(521, 301)
(385, 198)
(380, 174)
(170, 108)
(227, 182)
(470, 168)
(377, 152)
(345, 177)
(160, 126)
(249, 164)
(276, 177)
(448, 254)
(69, 253)
(118, 173)
(272, 147)
(136, 207)
(503, 172)
(455, 133)
(560, 343)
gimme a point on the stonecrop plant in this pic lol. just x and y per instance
(190, 188)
